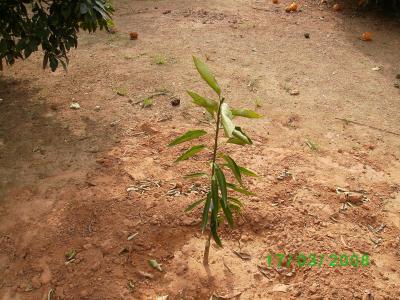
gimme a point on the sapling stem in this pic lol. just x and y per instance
(208, 241)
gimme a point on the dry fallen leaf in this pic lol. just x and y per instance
(292, 7)
(133, 35)
(366, 36)
(337, 7)
(155, 265)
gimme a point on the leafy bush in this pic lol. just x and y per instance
(218, 203)
(25, 25)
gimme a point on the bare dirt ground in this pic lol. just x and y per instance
(64, 173)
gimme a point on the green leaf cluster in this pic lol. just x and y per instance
(28, 25)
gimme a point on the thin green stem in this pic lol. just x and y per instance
(208, 241)
(221, 100)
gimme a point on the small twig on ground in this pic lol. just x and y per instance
(260, 8)
(226, 266)
(227, 296)
(50, 294)
(369, 126)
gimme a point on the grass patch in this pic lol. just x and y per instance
(160, 60)
(148, 102)
(313, 146)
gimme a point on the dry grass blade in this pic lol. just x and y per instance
(143, 186)
(264, 271)
(242, 255)
(216, 297)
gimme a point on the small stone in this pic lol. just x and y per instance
(133, 35)
(307, 35)
(188, 221)
(294, 92)
(97, 108)
(396, 85)
(1, 100)
(368, 295)
(283, 288)
(296, 293)
(354, 198)
(74, 105)
(178, 185)
(145, 275)
(166, 12)
(84, 293)
(398, 76)
(175, 102)
(246, 238)
(313, 288)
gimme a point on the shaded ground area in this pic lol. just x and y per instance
(64, 173)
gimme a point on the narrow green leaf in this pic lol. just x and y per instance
(210, 105)
(224, 194)
(204, 219)
(226, 118)
(239, 190)
(247, 172)
(64, 65)
(231, 164)
(228, 214)
(236, 207)
(239, 137)
(235, 201)
(214, 210)
(246, 113)
(195, 175)
(45, 60)
(189, 153)
(53, 63)
(190, 135)
(235, 140)
(221, 183)
(206, 75)
(194, 204)
(83, 8)
(214, 194)
(214, 227)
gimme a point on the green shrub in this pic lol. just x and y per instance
(26, 25)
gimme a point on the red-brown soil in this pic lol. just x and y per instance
(64, 173)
